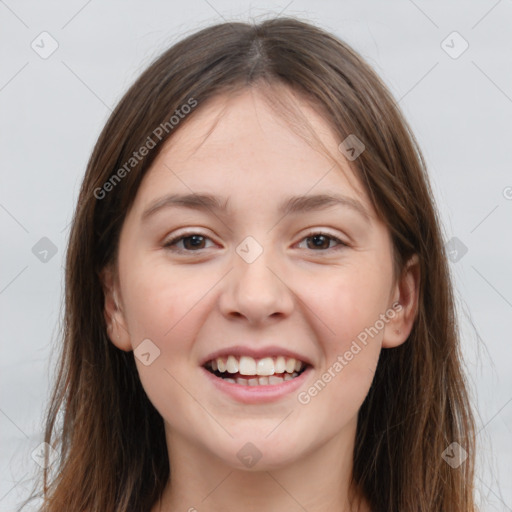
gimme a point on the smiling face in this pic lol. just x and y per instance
(244, 274)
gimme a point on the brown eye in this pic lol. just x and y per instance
(189, 243)
(193, 242)
(322, 242)
(319, 242)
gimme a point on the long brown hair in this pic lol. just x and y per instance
(418, 403)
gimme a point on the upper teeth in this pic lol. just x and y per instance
(246, 365)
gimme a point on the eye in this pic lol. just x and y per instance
(322, 241)
(192, 242)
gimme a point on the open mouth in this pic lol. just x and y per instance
(247, 371)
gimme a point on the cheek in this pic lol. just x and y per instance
(163, 305)
(159, 300)
(350, 307)
(357, 301)
(167, 306)
(350, 303)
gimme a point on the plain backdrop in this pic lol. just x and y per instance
(449, 64)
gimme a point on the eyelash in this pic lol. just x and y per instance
(170, 243)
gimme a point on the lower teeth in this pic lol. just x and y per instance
(261, 381)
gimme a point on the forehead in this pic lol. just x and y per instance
(242, 145)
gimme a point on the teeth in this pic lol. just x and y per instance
(290, 365)
(247, 366)
(262, 367)
(280, 365)
(232, 365)
(266, 366)
(272, 380)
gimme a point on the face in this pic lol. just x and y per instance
(293, 299)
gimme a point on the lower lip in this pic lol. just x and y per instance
(258, 394)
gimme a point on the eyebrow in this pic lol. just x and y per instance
(292, 205)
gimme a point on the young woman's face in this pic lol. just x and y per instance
(258, 282)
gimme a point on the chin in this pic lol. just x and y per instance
(260, 453)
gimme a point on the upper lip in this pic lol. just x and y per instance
(255, 353)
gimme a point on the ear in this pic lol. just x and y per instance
(114, 317)
(404, 305)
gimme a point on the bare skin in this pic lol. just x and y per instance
(305, 293)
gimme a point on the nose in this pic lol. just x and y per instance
(256, 291)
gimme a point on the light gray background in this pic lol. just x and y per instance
(53, 109)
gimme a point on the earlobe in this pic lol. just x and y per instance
(114, 316)
(405, 305)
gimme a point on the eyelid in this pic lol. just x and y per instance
(324, 232)
(314, 232)
(185, 234)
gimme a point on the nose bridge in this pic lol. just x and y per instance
(256, 291)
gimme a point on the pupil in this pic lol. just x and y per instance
(321, 239)
(195, 240)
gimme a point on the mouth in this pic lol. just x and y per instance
(247, 371)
